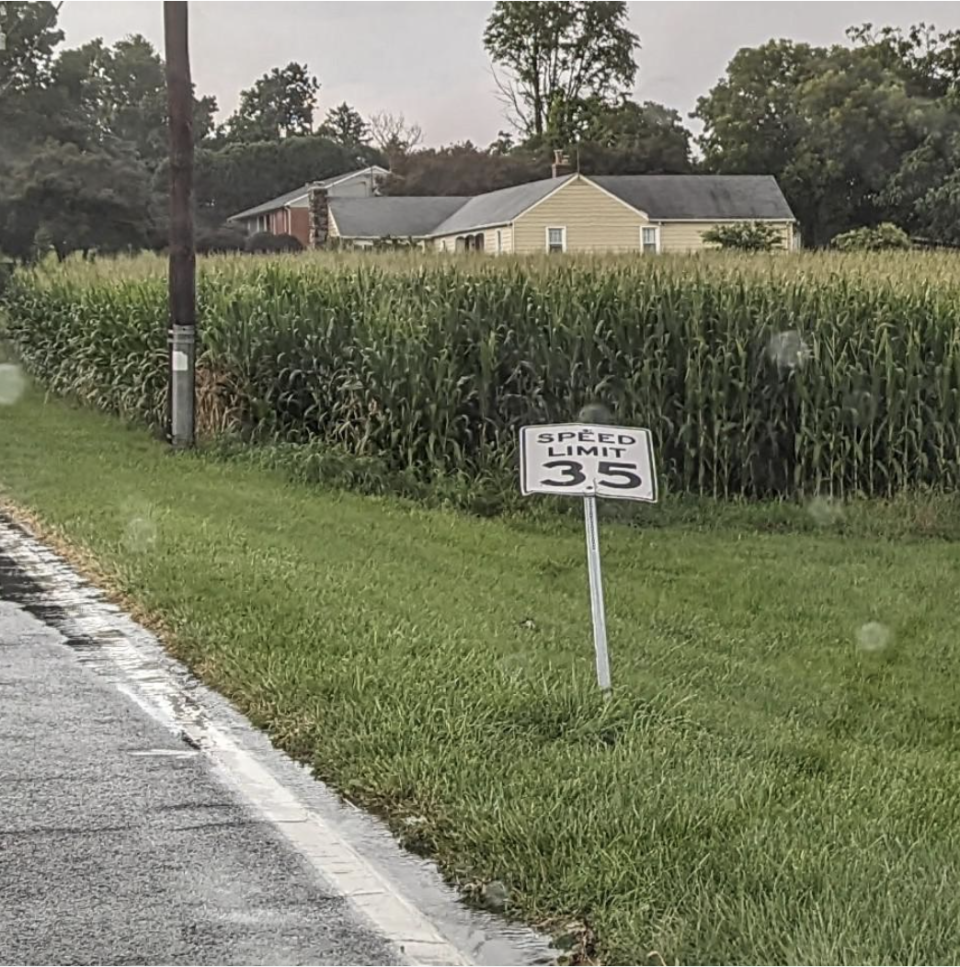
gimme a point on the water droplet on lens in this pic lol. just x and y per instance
(140, 535)
(788, 350)
(825, 511)
(13, 383)
(860, 407)
(595, 413)
(495, 895)
(873, 636)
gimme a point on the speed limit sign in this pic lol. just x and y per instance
(580, 460)
(589, 461)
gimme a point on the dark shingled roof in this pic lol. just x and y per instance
(281, 201)
(497, 207)
(394, 216)
(710, 197)
(661, 197)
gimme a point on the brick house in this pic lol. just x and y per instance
(288, 214)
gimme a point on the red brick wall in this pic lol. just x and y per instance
(289, 221)
(300, 224)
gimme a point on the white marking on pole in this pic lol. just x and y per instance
(596, 594)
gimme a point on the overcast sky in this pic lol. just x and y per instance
(427, 59)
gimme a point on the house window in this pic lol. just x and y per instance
(650, 239)
(499, 242)
(557, 239)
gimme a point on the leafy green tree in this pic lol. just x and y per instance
(279, 105)
(84, 200)
(80, 130)
(750, 237)
(751, 117)
(30, 34)
(118, 95)
(634, 138)
(463, 169)
(557, 56)
(833, 125)
(344, 125)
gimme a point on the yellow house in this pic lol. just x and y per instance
(575, 213)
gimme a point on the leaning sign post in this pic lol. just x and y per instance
(589, 461)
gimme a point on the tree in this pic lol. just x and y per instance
(555, 56)
(118, 94)
(750, 237)
(634, 138)
(751, 117)
(462, 169)
(30, 34)
(833, 125)
(280, 104)
(81, 130)
(344, 125)
(393, 135)
(84, 200)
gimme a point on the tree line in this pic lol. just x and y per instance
(859, 135)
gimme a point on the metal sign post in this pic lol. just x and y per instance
(596, 594)
(590, 461)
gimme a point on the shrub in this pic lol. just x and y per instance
(877, 239)
(745, 237)
(265, 242)
(223, 238)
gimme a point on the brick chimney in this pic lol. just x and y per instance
(319, 212)
(561, 161)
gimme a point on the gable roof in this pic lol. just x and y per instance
(707, 197)
(395, 216)
(498, 207)
(281, 201)
(660, 197)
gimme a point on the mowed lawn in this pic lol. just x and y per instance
(761, 790)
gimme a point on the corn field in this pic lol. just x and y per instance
(759, 376)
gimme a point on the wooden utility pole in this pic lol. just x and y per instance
(183, 260)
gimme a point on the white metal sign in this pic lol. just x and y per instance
(589, 461)
(582, 460)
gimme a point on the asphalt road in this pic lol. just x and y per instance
(117, 845)
(143, 820)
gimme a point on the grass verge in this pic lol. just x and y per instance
(761, 790)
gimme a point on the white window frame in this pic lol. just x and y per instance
(656, 231)
(499, 241)
(562, 229)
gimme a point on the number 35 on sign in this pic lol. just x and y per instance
(583, 460)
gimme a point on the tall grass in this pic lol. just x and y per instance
(758, 376)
